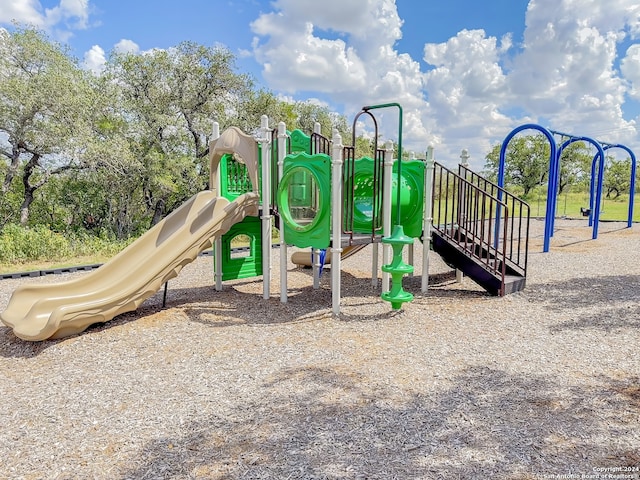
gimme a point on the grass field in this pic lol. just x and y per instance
(96, 258)
(569, 205)
(51, 265)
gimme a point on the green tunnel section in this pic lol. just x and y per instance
(304, 200)
(366, 208)
(411, 196)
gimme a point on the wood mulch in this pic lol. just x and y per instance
(225, 385)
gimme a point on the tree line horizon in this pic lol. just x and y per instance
(111, 154)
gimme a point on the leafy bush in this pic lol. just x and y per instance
(27, 244)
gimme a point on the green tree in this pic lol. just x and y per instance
(114, 153)
(168, 100)
(617, 176)
(302, 115)
(46, 110)
(526, 162)
(575, 166)
(307, 114)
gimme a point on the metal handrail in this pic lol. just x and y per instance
(320, 144)
(465, 215)
(517, 228)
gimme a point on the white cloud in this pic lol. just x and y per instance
(23, 11)
(94, 60)
(357, 40)
(368, 20)
(467, 76)
(630, 67)
(351, 56)
(75, 13)
(60, 20)
(310, 59)
(565, 74)
(126, 46)
(340, 48)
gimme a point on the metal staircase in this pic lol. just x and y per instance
(480, 229)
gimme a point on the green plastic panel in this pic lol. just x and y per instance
(304, 200)
(299, 142)
(234, 178)
(247, 263)
(411, 196)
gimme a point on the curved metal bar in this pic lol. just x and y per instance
(375, 126)
(399, 172)
(594, 207)
(632, 182)
(552, 181)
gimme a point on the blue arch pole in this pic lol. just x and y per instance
(594, 214)
(552, 181)
(592, 186)
(632, 182)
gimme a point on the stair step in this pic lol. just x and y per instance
(513, 284)
(477, 269)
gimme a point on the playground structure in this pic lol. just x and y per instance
(324, 198)
(319, 196)
(555, 155)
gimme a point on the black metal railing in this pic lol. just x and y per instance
(348, 186)
(467, 216)
(360, 188)
(320, 144)
(518, 222)
(378, 193)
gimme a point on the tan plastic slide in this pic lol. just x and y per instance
(303, 259)
(39, 312)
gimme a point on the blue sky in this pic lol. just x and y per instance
(466, 72)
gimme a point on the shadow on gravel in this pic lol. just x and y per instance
(233, 306)
(606, 319)
(444, 285)
(588, 240)
(14, 347)
(612, 301)
(323, 423)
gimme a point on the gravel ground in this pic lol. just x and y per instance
(225, 385)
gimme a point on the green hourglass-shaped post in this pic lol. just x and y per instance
(397, 269)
